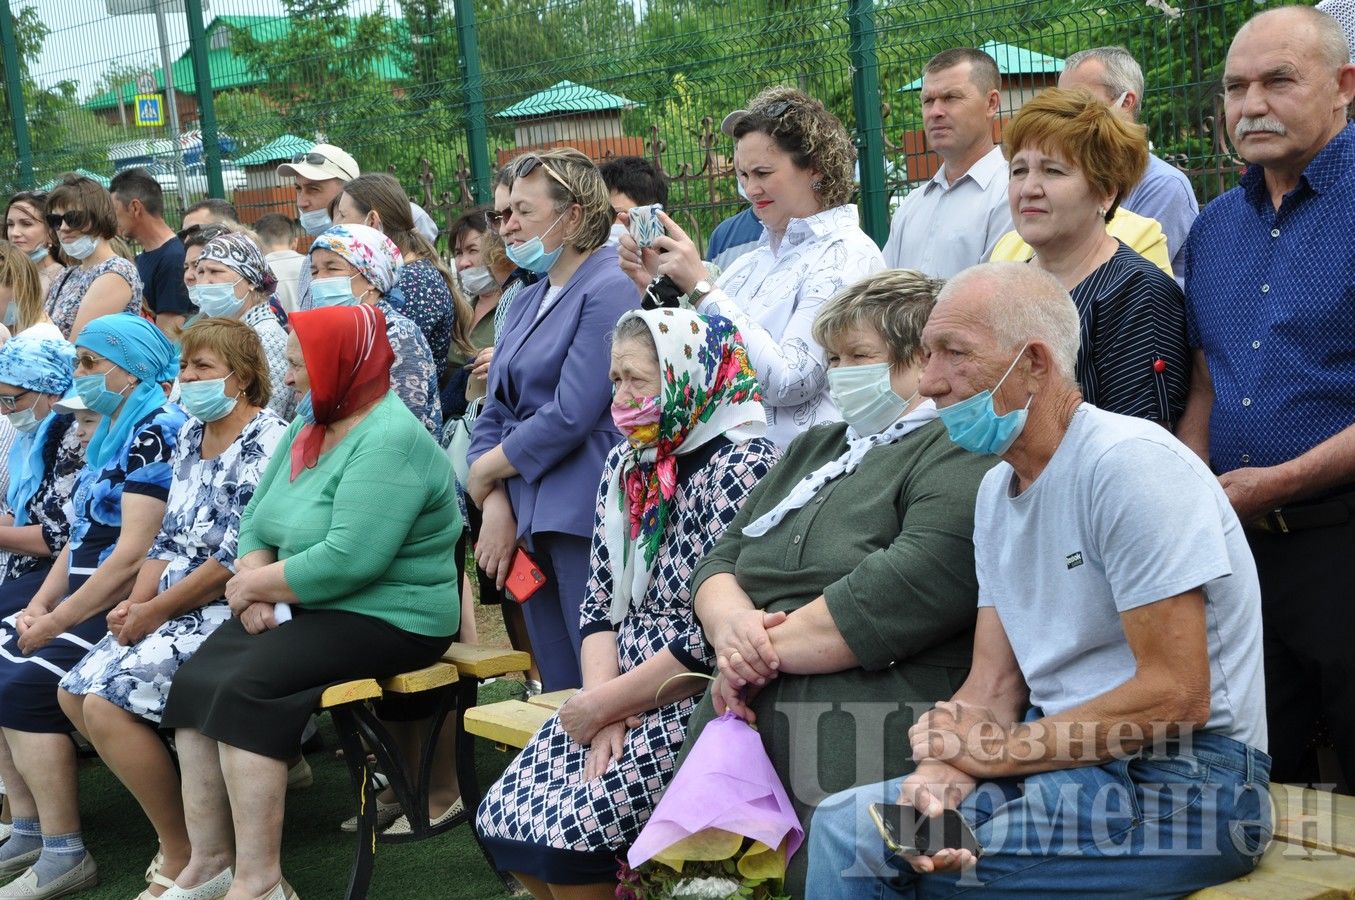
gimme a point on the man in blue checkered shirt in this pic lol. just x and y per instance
(1270, 295)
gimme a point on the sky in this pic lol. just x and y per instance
(85, 40)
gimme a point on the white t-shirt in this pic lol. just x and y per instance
(1123, 515)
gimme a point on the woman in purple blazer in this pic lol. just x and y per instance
(539, 444)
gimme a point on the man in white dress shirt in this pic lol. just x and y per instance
(952, 221)
(1164, 193)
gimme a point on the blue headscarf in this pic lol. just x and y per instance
(141, 349)
(42, 365)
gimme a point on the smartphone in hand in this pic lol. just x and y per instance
(906, 832)
(645, 226)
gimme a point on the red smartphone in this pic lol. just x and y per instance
(524, 577)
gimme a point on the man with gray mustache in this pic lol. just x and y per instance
(1270, 289)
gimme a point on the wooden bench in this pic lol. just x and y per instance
(360, 733)
(1312, 856)
(512, 723)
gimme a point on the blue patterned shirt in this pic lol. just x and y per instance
(1270, 299)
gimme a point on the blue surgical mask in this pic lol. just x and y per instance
(23, 420)
(315, 221)
(93, 389)
(532, 255)
(11, 315)
(305, 411)
(865, 397)
(38, 255)
(975, 425)
(82, 247)
(336, 291)
(217, 300)
(206, 399)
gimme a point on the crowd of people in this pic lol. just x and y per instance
(1030, 516)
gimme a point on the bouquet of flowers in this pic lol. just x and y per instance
(724, 828)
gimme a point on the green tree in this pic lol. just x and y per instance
(62, 134)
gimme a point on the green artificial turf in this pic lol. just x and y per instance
(315, 855)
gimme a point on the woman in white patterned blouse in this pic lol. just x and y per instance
(797, 163)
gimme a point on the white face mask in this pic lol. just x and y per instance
(82, 247)
(477, 280)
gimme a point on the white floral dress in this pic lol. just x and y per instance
(202, 520)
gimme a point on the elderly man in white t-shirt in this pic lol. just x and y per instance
(1111, 735)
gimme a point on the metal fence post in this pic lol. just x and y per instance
(477, 137)
(14, 90)
(870, 150)
(202, 76)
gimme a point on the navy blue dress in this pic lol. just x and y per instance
(142, 466)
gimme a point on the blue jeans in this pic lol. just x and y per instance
(1159, 825)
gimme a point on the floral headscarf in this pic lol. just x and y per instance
(242, 256)
(374, 255)
(708, 390)
(42, 365)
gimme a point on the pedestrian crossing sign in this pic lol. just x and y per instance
(150, 110)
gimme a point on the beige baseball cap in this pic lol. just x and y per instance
(321, 163)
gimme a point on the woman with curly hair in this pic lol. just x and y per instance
(796, 162)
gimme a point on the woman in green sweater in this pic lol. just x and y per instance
(843, 594)
(346, 569)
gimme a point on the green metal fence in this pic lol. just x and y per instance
(441, 91)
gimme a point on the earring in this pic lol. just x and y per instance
(816, 185)
(1101, 210)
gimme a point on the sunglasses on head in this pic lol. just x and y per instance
(778, 109)
(76, 219)
(319, 159)
(530, 164)
(203, 233)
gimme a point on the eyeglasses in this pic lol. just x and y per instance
(319, 159)
(11, 402)
(75, 219)
(88, 361)
(530, 164)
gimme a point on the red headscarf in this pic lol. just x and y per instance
(348, 360)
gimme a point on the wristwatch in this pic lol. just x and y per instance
(699, 292)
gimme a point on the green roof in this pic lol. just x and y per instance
(566, 97)
(228, 70)
(51, 185)
(281, 148)
(1010, 60)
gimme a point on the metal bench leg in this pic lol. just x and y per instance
(468, 694)
(360, 771)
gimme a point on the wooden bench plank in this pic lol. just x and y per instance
(554, 700)
(350, 692)
(1283, 875)
(486, 662)
(439, 674)
(1319, 820)
(509, 722)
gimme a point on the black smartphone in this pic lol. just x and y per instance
(908, 833)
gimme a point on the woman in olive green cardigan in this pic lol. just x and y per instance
(843, 596)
